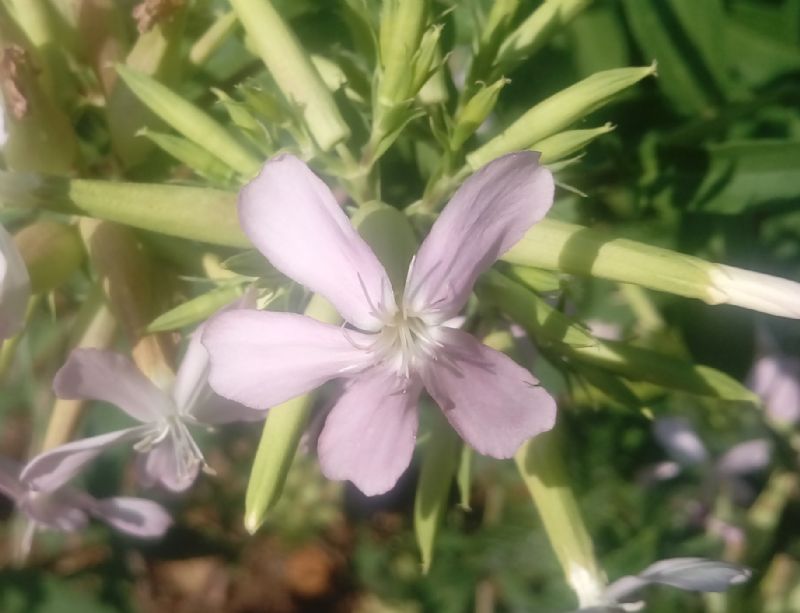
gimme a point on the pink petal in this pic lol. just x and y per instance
(93, 374)
(776, 379)
(370, 433)
(61, 510)
(191, 380)
(159, 467)
(191, 392)
(491, 401)
(134, 516)
(262, 358)
(15, 286)
(50, 470)
(747, 457)
(489, 213)
(292, 217)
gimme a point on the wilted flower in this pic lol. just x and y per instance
(262, 359)
(68, 509)
(689, 574)
(169, 455)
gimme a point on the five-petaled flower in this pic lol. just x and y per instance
(68, 509)
(169, 455)
(394, 348)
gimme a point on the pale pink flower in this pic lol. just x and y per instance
(394, 348)
(68, 509)
(168, 454)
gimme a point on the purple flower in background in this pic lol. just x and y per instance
(68, 509)
(684, 446)
(14, 286)
(775, 378)
(397, 348)
(168, 454)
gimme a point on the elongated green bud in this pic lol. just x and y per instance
(474, 112)
(208, 215)
(52, 251)
(439, 465)
(558, 112)
(555, 245)
(535, 31)
(557, 147)
(292, 70)
(190, 121)
(402, 27)
(635, 363)
(492, 34)
(542, 469)
(279, 439)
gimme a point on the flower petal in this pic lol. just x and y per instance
(490, 400)
(9, 476)
(61, 510)
(489, 213)
(679, 440)
(745, 458)
(50, 470)
(134, 516)
(15, 288)
(193, 395)
(94, 374)
(262, 358)
(369, 435)
(160, 466)
(775, 377)
(291, 216)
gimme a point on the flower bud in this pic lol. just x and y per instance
(542, 468)
(190, 121)
(559, 111)
(401, 32)
(535, 31)
(474, 112)
(557, 147)
(52, 251)
(292, 70)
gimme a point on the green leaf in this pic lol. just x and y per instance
(686, 38)
(190, 121)
(195, 310)
(193, 156)
(744, 175)
(440, 460)
(530, 311)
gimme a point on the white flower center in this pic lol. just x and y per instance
(187, 454)
(405, 342)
